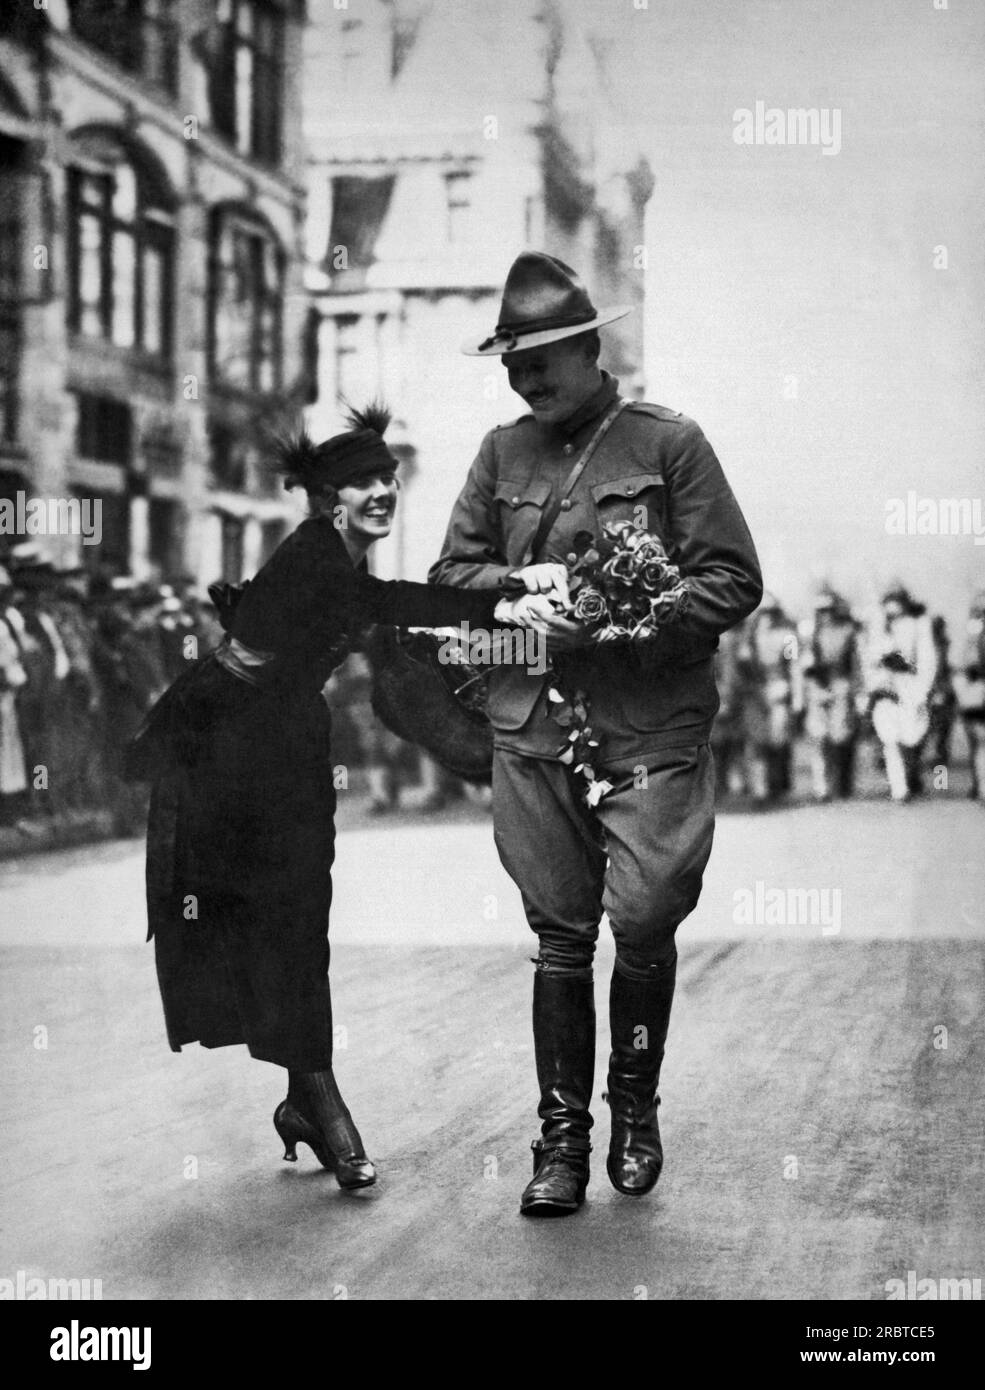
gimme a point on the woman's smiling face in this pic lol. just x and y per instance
(369, 507)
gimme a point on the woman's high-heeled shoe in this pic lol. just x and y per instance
(325, 1125)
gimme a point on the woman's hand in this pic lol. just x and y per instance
(549, 579)
(539, 613)
(529, 610)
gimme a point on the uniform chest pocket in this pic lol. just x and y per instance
(519, 508)
(639, 498)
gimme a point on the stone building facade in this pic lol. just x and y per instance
(152, 305)
(443, 139)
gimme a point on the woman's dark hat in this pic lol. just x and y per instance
(543, 301)
(352, 457)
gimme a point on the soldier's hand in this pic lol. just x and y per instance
(546, 579)
(530, 610)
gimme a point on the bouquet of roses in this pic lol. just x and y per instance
(623, 588)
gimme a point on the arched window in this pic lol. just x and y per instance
(246, 301)
(121, 246)
(140, 35)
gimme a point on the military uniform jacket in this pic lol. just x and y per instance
(655, 469)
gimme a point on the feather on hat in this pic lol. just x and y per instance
(351, 457)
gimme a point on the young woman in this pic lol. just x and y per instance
(241, 832)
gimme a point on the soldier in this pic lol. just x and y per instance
(640, 853)
(901, 666)
(773, 699)
(832, 673)
(970, 690)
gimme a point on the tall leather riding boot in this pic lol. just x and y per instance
(639, 1016)
(564, 1047)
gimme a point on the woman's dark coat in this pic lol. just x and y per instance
(241, 832)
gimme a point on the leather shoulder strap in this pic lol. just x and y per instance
(552, 511)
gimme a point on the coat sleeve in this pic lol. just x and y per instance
(406, 604)
(470, 554)
(710, 537)
(710, 541)
(310, 588)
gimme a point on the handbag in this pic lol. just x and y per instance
(438, 705)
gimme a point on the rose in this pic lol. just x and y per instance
(620, 532)
(670, 604)
(652, 575)
(590, 607)
(622, 566)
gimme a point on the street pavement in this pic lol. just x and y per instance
(822, 1092)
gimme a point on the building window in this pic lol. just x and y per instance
(346, 358)
(11, 288)
(458, 200)
(246, 87)
(10, 351)
(164, 541)
(140, 35)
(232, 547)
(112, 554)
(359, 212)
(121, 247)
(104, 430)
(246, 303)
(227, 458)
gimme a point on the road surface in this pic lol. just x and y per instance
(822, 1106)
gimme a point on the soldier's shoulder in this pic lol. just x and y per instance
(502, 439)
(527, 419)
(662, 413)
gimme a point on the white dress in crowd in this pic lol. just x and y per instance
(900, 711)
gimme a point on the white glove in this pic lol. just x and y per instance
(546, 579)
(529, 610)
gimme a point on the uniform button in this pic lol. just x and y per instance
(515, 501)
(566, 504)
(630, 489)
(568, 449)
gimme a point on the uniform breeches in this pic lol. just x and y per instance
(638, 856)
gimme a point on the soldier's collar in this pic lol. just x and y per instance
(592, 408)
